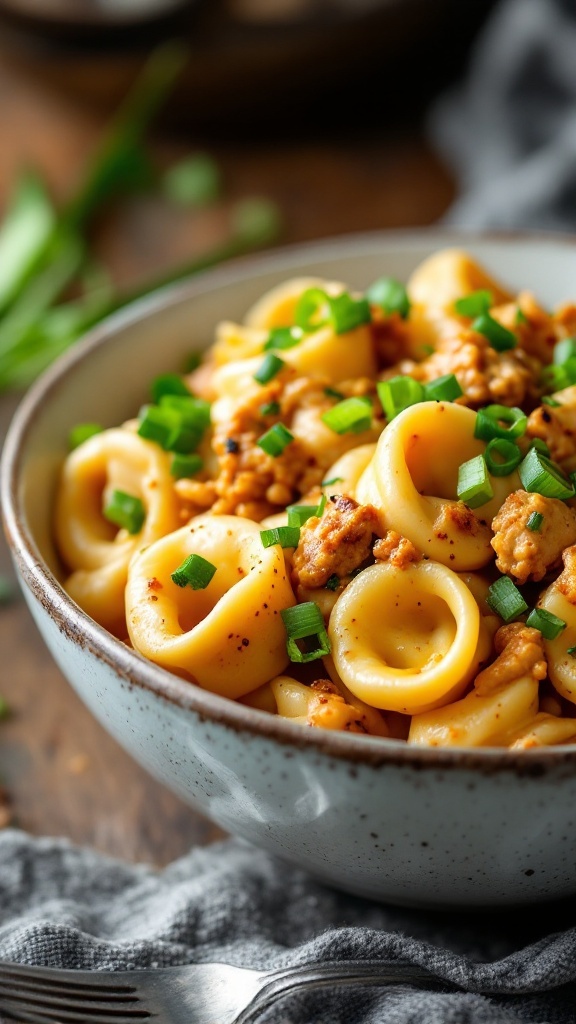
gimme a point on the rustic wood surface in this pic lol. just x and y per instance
(62, 773)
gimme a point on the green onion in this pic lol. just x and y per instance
(275, 440)
(270, 366)
(312, 310)
(283, 338)
(474, 487)
(390, 296)
(563, 351)
(556, 378)
(333, 582)
(193, 181)
(126, 511)
(489, 422)
(443, 389)
(192, 362)
(549, 625)
(475, 303)
(81, 432)
(168, 384)
(509, 456)
(193, 412)
(540, 445)
(331, 481)
(398, 394)
(4, 708)
(534, 521)
(300, 514)
(499, 337)
(542, 476)
(183, 465)
(285, 536)
(165, 427)
(351, 416)
(571, 650)
(348, 313)
(195, 572)
(505, 599)
(269, 409)
(304, 622)
(547, 400)
(25, 234)
(333, 393)
(521, 317)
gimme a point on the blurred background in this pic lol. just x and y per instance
(276, 121)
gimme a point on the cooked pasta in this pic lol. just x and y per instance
(358, 513)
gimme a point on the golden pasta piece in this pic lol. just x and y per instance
(413, 478)
(406, 639)
(95, 549)
(478, 720)
(344, 474)
(235, 341)
(448, 275)
(276, 307)
(334, 357)
(326, 705)
(543, 730)
(561, 664)
(229, 637)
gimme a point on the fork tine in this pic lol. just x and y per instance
(50, 977)
(30, 1010)
(51, 993)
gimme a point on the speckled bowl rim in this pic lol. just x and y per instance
(133, 668)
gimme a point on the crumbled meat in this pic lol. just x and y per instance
(457, 515)
(529, 554)
(520, 654)
(556, 426)
(535, 328)
(485, 375)
(336, 543)
(396, 549)
(566, 581)
(329, 709)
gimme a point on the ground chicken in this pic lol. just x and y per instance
(566, 582)
(335, 544)
(520, 653)
(556, 426)
(329, 709)
(396, 549)
(535, 328)
(529, 554)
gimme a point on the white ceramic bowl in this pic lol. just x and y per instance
(372, 816)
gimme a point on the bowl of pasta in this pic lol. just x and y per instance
(302, 535)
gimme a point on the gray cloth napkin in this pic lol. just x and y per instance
(510, 133)
(65, 906)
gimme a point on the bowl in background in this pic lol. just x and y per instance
(414, 826)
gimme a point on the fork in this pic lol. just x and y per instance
(211, 993)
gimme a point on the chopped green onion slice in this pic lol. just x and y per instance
(390, 296)
(521, 317)
(192, 362)
(125, 511)
(534, 521)
(193, 411)
(304, 622)
(312, 310)
(351, 416)
(168, 384)
(157, 424)
(193, 181)
(285, 536)
(489, 422)
(269, 409)
(571, 650)
(347, 313)
(81, 432)
(333, 582)
(542, 476)
(398, 394)
(185, 465)
(556, 378)
(549, 625)
(331, 481)
(499, 337)
(195, 572)
(269, 368)
(564, 350)
(540, 446)
(275, 440)
(474, 487)
(283, 338)
(548, 400)
(475, 303)
(502, 456)
(505, 599)
(333, 393)
(300, 514)
(443, 389)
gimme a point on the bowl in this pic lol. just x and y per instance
(413, 826)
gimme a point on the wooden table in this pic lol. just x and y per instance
(63, 774)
